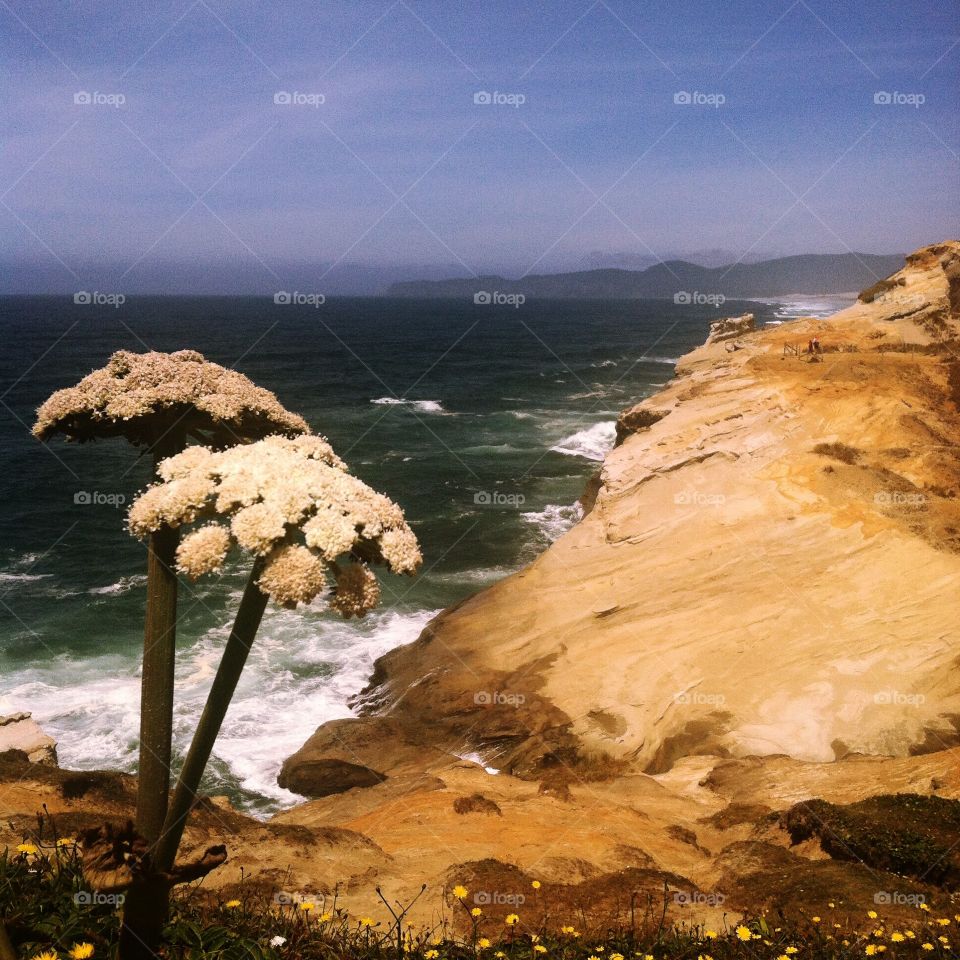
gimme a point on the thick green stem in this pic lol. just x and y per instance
(235, 654)
(146, 905)
(159, 659)
(156, 688)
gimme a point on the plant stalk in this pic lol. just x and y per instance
(159, 658)
(241, 638)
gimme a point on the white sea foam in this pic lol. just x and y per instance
(23, 577)
(604, 363)
(593, 443)
(302, 670)
(424, 406)
(554, 520)
(806, 305)
(477, 575)
(671, 360)
(474, 757)
(121, 586)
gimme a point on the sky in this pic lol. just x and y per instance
(208, 145)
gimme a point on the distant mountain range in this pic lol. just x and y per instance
(672, 279)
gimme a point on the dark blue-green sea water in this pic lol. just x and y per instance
(483, 421)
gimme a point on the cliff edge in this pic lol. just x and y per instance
(769, 567)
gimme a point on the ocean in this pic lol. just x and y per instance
(484, 421)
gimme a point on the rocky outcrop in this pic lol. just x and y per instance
(324, 776)
(635, 419)
(22, 733)
(728, 328)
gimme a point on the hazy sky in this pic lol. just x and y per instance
(184, 155)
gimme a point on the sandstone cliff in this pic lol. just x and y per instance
(770, 567)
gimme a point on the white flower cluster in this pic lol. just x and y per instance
(289, 501)
(125, 397)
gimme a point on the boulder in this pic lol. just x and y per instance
(20, 732)
(324, 776)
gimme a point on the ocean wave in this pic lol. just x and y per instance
(424, 406)
(554, 520)
(593, 443)
(301, 671)
(476, 575)
(121, 586)
(671, 360)
(23, 577)
(604, 363)
(795, 307)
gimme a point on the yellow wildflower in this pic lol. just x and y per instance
(944, 941)
(47, 955)
(710, 934)
(815, 919)
(430, 954)
(232, 904)
(535, 884)
(476, 912)
(943, 921)
(459, 891)
(897, 937)
(568, 930)
(923, 906)
(81, 951)
(743, 933)
(616, 956)
(66, 842)
(926, 946)
(872, 914)
(323, 918)
(306, 906)
(871, 949)
(539, 948)
(511, 919)
(483, 943)
(790, 950)
(27, 848)
(366, 923)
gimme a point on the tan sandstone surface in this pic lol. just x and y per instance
(759, 607)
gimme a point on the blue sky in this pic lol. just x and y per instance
(586, 159)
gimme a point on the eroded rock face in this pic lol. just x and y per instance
(20, 731)
(727, 328)
(635, 419)
(732, 592)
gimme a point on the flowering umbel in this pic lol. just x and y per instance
(289, 501)
(142, 395)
